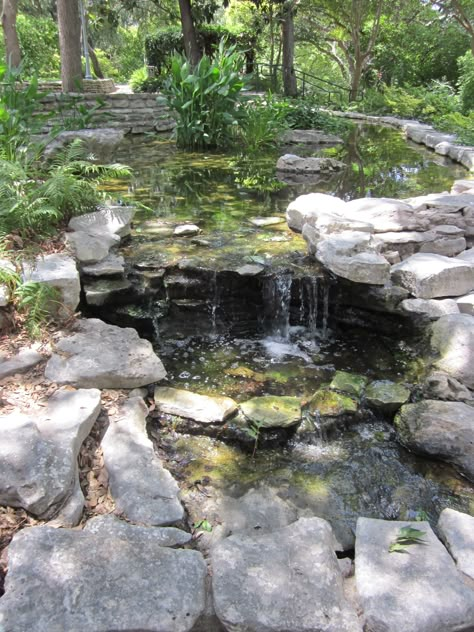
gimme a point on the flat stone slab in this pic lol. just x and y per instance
(417, 591)
(328, 403)
(104, 356)
(110, 220)
(38, 454)
(23, 361)
(78, 580)
(452, 339)
(90, 249)
(309, 206)
(250, 269)
(457, 531)
(271, 411)
(350, 383)
(385, 214)
(432, 276)
(201, 408)
(430, 307)
(143, 490)
(99, 292)
(111, 526)
(112, 265)
(58, 271)
(444, 430)
(386, 396)
(285, 580)
(310, 137)
(466, 304)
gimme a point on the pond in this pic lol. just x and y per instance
(274, 333)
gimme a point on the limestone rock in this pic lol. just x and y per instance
(443, 430)
(311, 205)
(310, 137)
(104, 356)
(467, 255)
(110, 220)
(111, 526)
(419, 591)
(386, 396)
(459, 186)
(186, 230)
(23, 361)
(290, 163)
(431, 308)
(250, 270)
(285, 580)
(386, 215)
(102, 143)
(58, 271)
(349, 383)
(201, 408)
(432, 276)
(81, 581)
(142, 489)
(465, 304)
(457, 531)
(104, 291)
(112, 265)
(452, 338)
(272, 411)
(261, 222)
(38, 454)
(439, 385)
(326, 403)
(90, 249)
(445, 246)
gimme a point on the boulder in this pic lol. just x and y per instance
(201, 408)
(452, 339)
(104, 356)
(100, 292)
(419, 590)
(58, 271)
(442, 202)
(111, 526)
(272, 411)
(386, 396)
(432, 276)
(457, 532)
(110, 220)
(386, 215)
(142, 489)
(38, 453)
(101, 142)
(81, 581)
(327, 403)
(90, 249)
(289, 163)
(309, 206)
(186, 230)
(430, 307)
(467, 255)
(445, 246)
(443, 430)
(310, 137)
(285, 580)
(23, 361)
(350, 383)
(439, 385)
(111, 265)
(465, 304)
(460, 186)
(406, 243)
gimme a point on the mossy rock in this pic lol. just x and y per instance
(350, 383)
(328, 403)
(386, 396)
(272, 411)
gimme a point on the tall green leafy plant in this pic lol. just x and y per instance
(205, 98)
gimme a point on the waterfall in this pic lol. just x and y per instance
(314, 306)
(276, 301)
(215, 301)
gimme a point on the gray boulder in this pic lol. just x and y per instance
(23, 361)
(416, 591)
(310, 137)
(112, 265)
(452, 339)
(443, 430)
(38, 454)
(111, 526)
(311, 205)
(201, 408)
(386, 396)
(101, 143)
(430, 307)
(142, 489)
(285, 580)
(457, 531)
(460, 186)
(58, 271)
(386, 214)
(100, 292)
(90, 249)
(289, 163)
(439, 385)
(104, 356)
(110, 220)
(432, 276)
(79, 581)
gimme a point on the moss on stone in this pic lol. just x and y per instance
(328, 403)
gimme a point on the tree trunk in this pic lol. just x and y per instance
(10, 36)
(69, 23)
(189, 33)
(95, 62)
(356, 76)
(288, 37)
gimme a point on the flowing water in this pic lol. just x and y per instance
(275, 333)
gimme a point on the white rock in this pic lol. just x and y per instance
(201, 408)
(289, 163)
(112, 265)
(386, 214)
(457, 531)
(432, 308)
(24, 360)
(466, 304)
(467, 255)
(452, 338)
(110, 220)
(186, 230)
(90, 249)
(310, 206)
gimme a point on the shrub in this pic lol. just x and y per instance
(262, 123)
(466, 82)
(141, 82)
(457, 123)
(305, 114)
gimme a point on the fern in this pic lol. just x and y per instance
(35, 300)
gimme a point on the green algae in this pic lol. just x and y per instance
(273, 411)
(327, 403)
(349, 383)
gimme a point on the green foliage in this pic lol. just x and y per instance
(39, 46)
(36, 300)
(253, 431)
(304, 114)
(263, 122)
(457, 123)
(74, 114)
(203, 525)
(141, 82)
(466, 82)
(407, 536)
(205, 99)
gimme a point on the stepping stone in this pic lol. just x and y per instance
(430, 307)
(201, 408)
(23, 361)
(285, 580)
(272, 411)
(290, 163)
(444, 430)
(38, 454)
(103, 291)
(431, 276)
(386, 396)
(457, 531)
(349, 383)
(419, 590)
(111, 220)
(104, 356)
(78, 581)
(142, 489)
(452, 339)
(112, 265)
(111, 526)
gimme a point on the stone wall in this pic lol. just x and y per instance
(94, 86)
(132, 113)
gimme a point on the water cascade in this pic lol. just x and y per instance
(276, 305)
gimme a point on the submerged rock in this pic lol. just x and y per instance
(443, 430)
(457, 531)
(295, 164)
(386, 396)
(271, 411)
(419, 590)
(285, 580)
(200, 408)
(104, 356)
(452, 338)
(327, 403)
(79, 581)
(349, 383)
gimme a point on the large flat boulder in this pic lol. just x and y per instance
(110, 220)
(308, 206)
(272, 411)
(432, 276)
(444, 430)
(201, 408)
(38, 453)
(310, 137)
(419, 590)
(452, 339)
(457, 531)
(79, 581)
(386, 214)
(431, 308)
(285, 580)
(101, 142)
(142, 489)
(90, 249)
(104, 356)
(111, 526)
